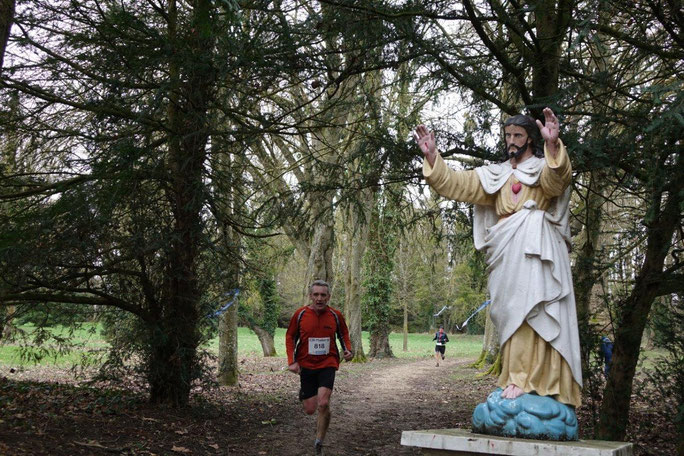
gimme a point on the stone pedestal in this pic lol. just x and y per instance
(461, 442)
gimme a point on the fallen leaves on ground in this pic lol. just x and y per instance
(262, 416)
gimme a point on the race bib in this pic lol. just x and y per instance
(319, 345)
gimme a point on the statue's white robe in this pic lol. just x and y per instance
(528, 263)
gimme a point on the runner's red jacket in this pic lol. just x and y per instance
(306, 324)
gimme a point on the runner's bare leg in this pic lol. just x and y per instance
(323, 420)
(310, 405)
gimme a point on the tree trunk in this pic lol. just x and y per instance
(228, 372)
(319, 266)
(490, 344)
(614, 413)
(357, 240)
(404, 345)
(7, 329)
(585, 269)
(6, 19)
(379, 344)
(379, 268)
(585, 265)
(551, 21)
(267, 344)
(227, 204)
(174, 358)
(491, 340)
(404, 280)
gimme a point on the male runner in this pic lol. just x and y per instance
(313, 354)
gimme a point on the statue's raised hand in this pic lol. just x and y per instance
(426, 141)
(549, 131)
(550, 128)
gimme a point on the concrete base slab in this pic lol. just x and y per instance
(462, 442)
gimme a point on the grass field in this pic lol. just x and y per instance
(84, 342)
(88, 339)
(419, 345)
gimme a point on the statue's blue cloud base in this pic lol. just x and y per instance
(528, 416)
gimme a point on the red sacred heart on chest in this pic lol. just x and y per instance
(516, 187)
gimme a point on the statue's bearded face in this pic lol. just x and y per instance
(517, 141)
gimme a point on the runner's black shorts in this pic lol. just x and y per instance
(440, 348)
(312, 379)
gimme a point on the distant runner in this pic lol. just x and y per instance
(313, 354)
(441, 338)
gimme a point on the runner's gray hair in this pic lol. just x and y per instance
(319, 283)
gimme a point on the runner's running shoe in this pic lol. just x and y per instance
(318, 448)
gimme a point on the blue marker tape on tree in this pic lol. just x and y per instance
(225, 307)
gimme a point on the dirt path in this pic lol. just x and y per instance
(389, 401)
(373, 403)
